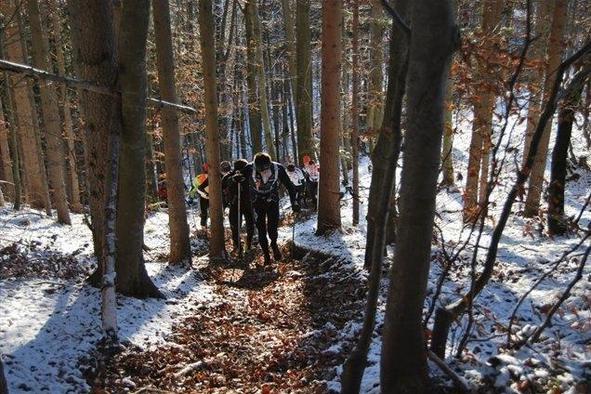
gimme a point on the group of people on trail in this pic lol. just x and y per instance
(251, 192)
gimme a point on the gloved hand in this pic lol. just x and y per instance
(295, 208)
(238, 177)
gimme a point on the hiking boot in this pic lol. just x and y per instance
(247, 245)
(276, 252)
(267, 258)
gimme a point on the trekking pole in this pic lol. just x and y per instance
(293, 228)
(239, 225)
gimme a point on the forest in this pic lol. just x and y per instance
(295, 196)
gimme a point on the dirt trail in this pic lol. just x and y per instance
(274, 329)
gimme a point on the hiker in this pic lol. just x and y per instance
(237, 196)
(313, 173)
(201, 187)
(263, 177)
(297, 177)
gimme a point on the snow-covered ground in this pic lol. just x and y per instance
(48, 324)
(562, 358)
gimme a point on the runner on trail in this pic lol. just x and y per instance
(263, 176)
(313, 172)
(201, 186)
(237, 197)
(297, 177)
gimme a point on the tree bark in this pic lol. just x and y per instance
(70, 136)
(206, 30)
(433, 40)
(33, 165)
(355, 112)
(303, 96)
(254, 110)
(375, 107)
(51, 115)
(329, 209)
(553, 56)
(3, 384)
(180, 247)
(483, 111)
(93, 43)
(12, 143)
(132, 278)
(8, 188)
(448, 140)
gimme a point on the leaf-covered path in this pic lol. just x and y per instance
(273, 329)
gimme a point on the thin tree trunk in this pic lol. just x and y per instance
(74, 183)
(51, 115)
(385, 157)
(375, 107)
(3, 384)
(5, 154)
(329, 209)
(254, 109)
(355, 112)
(304, 82)
(25, 113)
(432, 43)
(206, 30)
(554, 52)
(13, 147)
(132, 277)
(483, 111)
(180, 247)
(448, 140)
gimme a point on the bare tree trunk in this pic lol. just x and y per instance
(355, 112)
(448, 140)
(254, 110)
(206, 30)
(132, 278)
(3, 384)
(375, 107)
(74, 184)
(5, 153)
(553, 56)
(304, 93)
(180, 247)
(13, 145)
(51, 115)
(483, 110)
(93, 43)
(329, 209)
(25, 113)
(433, 40)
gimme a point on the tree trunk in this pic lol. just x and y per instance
(206, 30)
(304, 93)
(557, 222)
(375, 107)
(254, 110)
(93, 43)
(553, 56)
(432, 43)
(448, 140)
(329, 209)
(483, 111)
(34, 168)
(51, 115)
(180, 247)
(13, 146)
(74, 183)
(8, 188)
(385, 156)
(3, 384)
(132, 278)
(355, 112)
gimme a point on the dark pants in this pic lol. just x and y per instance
(236, 222)
(203, 206)
(313, 191)
(267, 219)
(300, 196)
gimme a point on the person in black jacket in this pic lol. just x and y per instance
(263, 177)
(237, 198)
